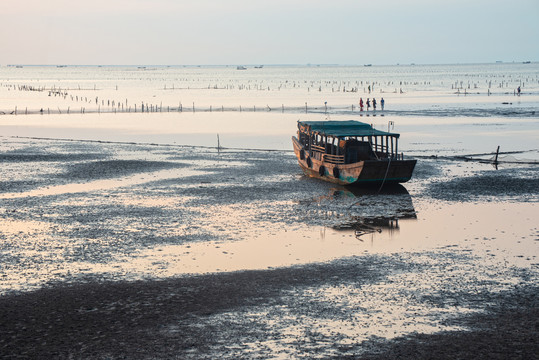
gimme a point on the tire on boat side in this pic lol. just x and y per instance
(302, 154)
(322, 170)
(309, 162)
(336, 172)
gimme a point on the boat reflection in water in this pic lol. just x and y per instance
(381, 210)
(365, 210)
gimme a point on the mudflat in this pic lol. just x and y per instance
(116, 250)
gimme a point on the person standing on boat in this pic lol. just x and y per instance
(368, 104)
(360, 104)
(373, 104)
(382, 101)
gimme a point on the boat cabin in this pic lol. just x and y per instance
(347, 142)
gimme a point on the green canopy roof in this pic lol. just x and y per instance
(345, 128)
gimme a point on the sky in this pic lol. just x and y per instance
(243, 32)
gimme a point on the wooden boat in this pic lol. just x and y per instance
(350, 153)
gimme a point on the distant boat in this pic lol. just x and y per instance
(259, 67)
(526, 62)
(350, 153)
(367, 65)
(241, 68)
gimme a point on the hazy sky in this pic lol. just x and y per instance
(170, 32)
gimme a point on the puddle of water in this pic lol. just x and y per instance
(105, 184)
(499, 232)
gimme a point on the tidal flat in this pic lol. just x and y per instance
(159, 234)
(130, 250)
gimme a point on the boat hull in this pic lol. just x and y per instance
(360, 173)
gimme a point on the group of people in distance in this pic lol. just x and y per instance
(368, 103)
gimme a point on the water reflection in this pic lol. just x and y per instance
(364, 210)
(395, 199)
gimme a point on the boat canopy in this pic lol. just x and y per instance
(347, 128)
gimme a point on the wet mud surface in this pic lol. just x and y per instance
(138, 251)
(519, 184)
(244, 314)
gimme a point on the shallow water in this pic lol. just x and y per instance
(403, 260)
(432, 110)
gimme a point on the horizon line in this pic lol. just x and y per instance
(275, 64)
